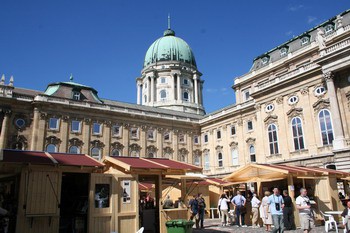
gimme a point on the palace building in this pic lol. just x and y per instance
(292, 107)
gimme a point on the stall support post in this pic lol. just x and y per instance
(291, 191)
(183, 190)
(259, 189)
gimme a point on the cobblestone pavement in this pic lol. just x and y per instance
(214, 226)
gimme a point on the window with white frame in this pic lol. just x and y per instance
(197, 160)
(116, 131)
(181, 138)
(252, 154)
(283, 51)
(53, 123)
(51, 148)
(185, 81)
(218, 134)
(76, 95)
(326, 128)
(273, 140)
(115, 152)
(134, 133)
(305, 40)
(329, 28)
(163, 80)
(206, 138)
(297, 130)
(150, 134)
(206, 161)
(74, 150)
(234, 157)
(196, 139)
(233, 130)
(96, 128)
(293, 100)
(220, 160)
(265, 60)
(167, 136)
(250, 125)
(246, 94)
(96, 153)
(320, 91)
(269, 108)
(162, 94)
(76, 126)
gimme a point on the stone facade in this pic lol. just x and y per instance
(292, 107)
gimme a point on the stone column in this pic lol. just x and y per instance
(126, 129)
(143, 140)
(4, 129)
(138, 93)
(195, 79)
(338, 142)
(159, 139)
(189, 137)
(152, 90)
(200, 96)
(148, 90)
(38, 132)
(64, 131)
(107, 138)
(173, 86)
(86, 131)
(175, 145)
(179, 96)
(34, 138)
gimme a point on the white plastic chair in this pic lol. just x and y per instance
(141, 230)
(344, 223)
(328, 222)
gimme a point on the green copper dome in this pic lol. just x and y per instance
(169, 48)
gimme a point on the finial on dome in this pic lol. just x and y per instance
(11, 81)
(71, 77)
(2, 82)
(169, 32)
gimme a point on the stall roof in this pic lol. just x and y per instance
(45, 158)
(269, 172)
(132, 163)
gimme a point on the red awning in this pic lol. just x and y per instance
(45, 158)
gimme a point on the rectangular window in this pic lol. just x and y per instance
(246, 95)
(233, 130)
(220, 160)
(206, 162)
(134, 133)
(167, 136)
(181, 138)
(206, 138)
(234, 154)
(116, 132)
(53, 123)
(249, 125)
(150, 134)
(96, 128)
(196, 140)
(218, 134)
(76, 126)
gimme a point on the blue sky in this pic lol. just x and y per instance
(103, 43)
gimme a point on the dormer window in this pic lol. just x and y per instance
(283, 51)
(265, 60)
(329, 28)
(76, 95)
(305, 40)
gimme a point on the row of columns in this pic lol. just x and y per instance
(151, 89)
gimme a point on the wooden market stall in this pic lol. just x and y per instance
(321, 183)
(153, 172)
(46, 192)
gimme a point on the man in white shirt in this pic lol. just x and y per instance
(346, 216)
(239, 203)
(304, 206)
(255, 210)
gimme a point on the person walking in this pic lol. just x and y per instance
(305, 214)
(223, 205)
(201, 209)
(346, 216)
(239, 202)
(288, 215)
(193, 206)
(265, 212)
(276, 204)
(255, 210)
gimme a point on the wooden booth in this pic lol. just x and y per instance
(140, 209)
(321, 183)
(47, 192)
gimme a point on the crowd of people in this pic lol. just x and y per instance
(274, 209)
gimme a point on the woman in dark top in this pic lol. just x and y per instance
(288, 215)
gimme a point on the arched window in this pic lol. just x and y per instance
(134, 153)
(186, 96)
(234, 156)
(326, 128)
(51, 148)
(168, 155)
(96, 153)
(252, 154)
(197, 160)
(206, 161)
(273, 141)
(150, 155)
(115, 152)
(74, 150)
(220, 160)
(163, 94)
(298, 137)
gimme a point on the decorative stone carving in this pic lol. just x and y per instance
(279, 100)
(19, 142)
(53, 140)
(271, 119)
(294, 112)
(151, 149)
(304, 91)
(108, 123)
(250, 140)
(168, 150)
(233, 145)
(321, 41)
(206, 150)
(328, 76)
(97, 143)
(348, 98)
(339, 21)
(257, 107)
(134, 147)
(43, 115)
(239, 122)
(65, 118)
(197, 152)
(87, 121)
(321, 104)
(75, 142)
(218, 148)
(117, 145)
